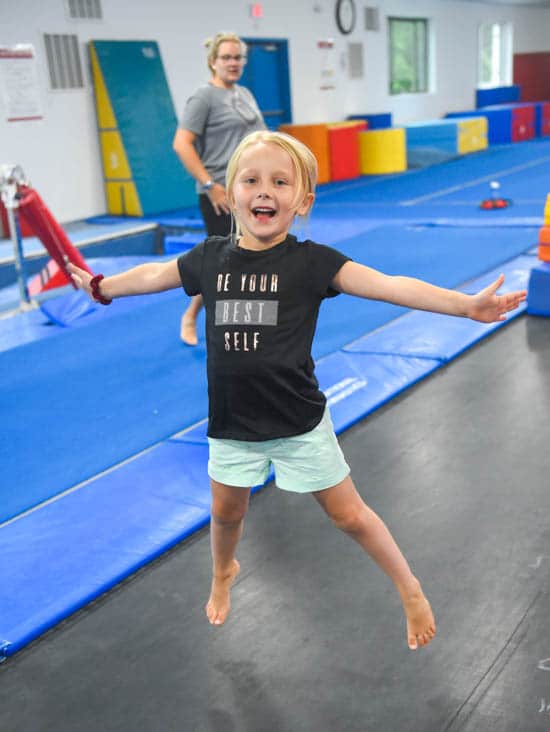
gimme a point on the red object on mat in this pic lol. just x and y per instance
(490, 204)
(50, 233)
(344, 150)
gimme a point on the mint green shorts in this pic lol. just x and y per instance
(305, 463)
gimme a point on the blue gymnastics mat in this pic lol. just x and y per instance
(427, 335)
(67, 552)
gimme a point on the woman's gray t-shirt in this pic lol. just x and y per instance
(220, 118)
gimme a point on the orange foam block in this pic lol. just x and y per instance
(544, 235)
(316, 138)
(544, 252)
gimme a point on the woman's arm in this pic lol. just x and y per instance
(140, 280)
(183, 146)
(485, 306)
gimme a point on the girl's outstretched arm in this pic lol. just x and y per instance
(140, 280)
(485, 306)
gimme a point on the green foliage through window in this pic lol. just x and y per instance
(408, 55)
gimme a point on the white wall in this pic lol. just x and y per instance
(60, 153)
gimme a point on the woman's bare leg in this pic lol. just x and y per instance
(229, 507)
(188, 326)
(349, 512)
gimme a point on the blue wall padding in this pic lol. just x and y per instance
(498, 95)
(499, 123)
(443, 337)
(374, 121)
(60, 557)
(142, 104)
(356, 384)
(538, 294)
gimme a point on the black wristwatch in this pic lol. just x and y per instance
(205, 187)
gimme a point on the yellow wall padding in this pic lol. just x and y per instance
(122, 198)
(382, 151)
(120, 189)
(472, 134)
(316, 138)
(115, 162)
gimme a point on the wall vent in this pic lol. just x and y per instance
(84, 9)
(372, 19)
(355, 60)
(63, 61)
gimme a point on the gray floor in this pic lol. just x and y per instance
(459, 468)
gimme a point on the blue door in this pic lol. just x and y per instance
(266, 74)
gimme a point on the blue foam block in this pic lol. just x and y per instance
(60, 557)
(66, 309)
(498, 95)
(356, 385)
(538, 291)
(374, 121)
(499, 123)
(183, 242)
(442, 337)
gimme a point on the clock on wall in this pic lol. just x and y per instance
(345, 15)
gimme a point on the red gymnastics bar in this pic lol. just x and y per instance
(55, 240)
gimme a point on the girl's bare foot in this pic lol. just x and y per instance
(218, 605)
(420, 619)
(188, 330)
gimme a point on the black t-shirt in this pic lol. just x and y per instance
(261, 313)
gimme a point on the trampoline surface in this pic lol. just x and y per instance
(458, 467)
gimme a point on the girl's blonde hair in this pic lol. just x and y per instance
(213, 46)
(303, 161)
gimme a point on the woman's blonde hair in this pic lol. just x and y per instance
(303, 161)
(213, 46)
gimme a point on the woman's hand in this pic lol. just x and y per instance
(488, 307)
(218, 199)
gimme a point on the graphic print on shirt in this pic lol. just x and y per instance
(243, 311)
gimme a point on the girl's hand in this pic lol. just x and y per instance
(488, 307)
(81, 278)
(218, 199)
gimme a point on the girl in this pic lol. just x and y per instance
(262, 291)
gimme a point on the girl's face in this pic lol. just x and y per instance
(228, 64)
(264, 196)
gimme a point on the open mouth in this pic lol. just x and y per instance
(263, 213)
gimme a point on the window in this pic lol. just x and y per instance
(408, 55)
(495, 54)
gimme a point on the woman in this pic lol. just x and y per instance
(215, 119)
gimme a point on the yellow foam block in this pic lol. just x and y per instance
(382, 151)
(316, 138)
(547, 211)
(472, 134)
